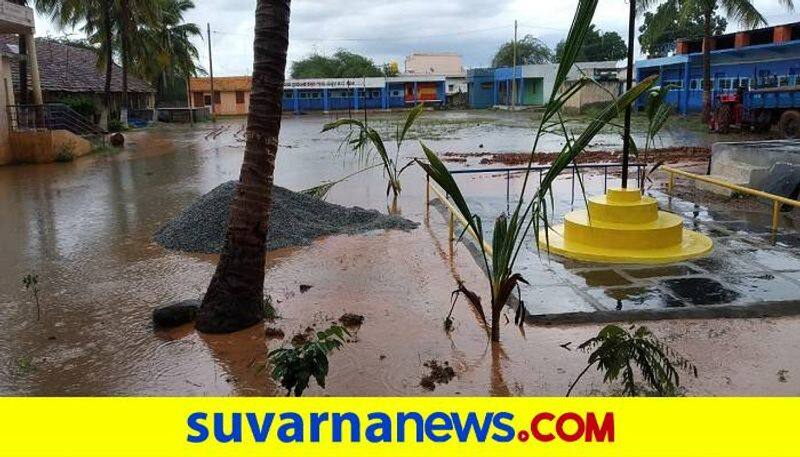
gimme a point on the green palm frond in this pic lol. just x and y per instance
(616, 351)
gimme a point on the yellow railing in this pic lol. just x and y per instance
(777, 200)
(454, 213)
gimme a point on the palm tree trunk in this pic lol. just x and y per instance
(234, 297)
(109, 45)
(124, 35)
(707, 65)
(496, 310)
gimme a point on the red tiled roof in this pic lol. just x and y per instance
(67, 68)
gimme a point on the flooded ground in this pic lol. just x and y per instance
(85, 228)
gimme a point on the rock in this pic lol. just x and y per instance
(783, 179)
(351, 320)
(117, 140)
(175, 314)
(305, 288)
(273, 332)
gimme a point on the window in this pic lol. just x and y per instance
(239, 97)
(783, 81)
(694, 84)
(744, 83)
(395, 93)
(487, 85)
(207, 100)
(724, 84)
(450, 87)
(217, 97)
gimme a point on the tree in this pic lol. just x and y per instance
(235, 296)
(741, 11)
(597, 47)
(390, 69)
(675, 19)
(530, 50)
(163, 51)
(343, 64)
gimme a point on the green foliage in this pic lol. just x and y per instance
(361, 136)
(268, 309)
(343, 64)
(116, 125)
(510, 231)
(390, 69)
(657, 111)
(67, 153)
(617, 351)
(597, 47)
(675, 19)
(293, 367)
(82, 104)
(31, 283)
(320, 192)
(530, 50)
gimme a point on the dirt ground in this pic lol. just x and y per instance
(666, 155)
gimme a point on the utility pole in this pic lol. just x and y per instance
(514, 73)
(626, 147)
(210, 67)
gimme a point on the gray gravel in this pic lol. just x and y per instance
(296, 220)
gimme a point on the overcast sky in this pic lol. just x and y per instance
(388, 30)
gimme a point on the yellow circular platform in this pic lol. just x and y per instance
(624, 227)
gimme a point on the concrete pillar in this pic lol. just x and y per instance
(36, 81)
(494, 92)
(295, 100)
(782, 34)
(742, 39)
(521, 91)
(416, 93)
(325, 106)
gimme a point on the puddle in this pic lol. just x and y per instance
(633, 298)
(661, 271)
(701, 291)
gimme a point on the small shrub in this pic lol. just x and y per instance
(293, 367)
(31, 283)
(81, 104)
(267, 309)
(67, 153)
(115, 125)
(617, 351)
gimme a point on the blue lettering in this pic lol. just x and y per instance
(402, 418)
(316, 423)
(383, 424)
(355, 427)
(498, 423)
(295, 425)
(193, 421)
(236, 428)
(260, 432)
(431, 427)
(463, 431)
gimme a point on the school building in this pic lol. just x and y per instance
(232, 94)
(494, 87)
(768, 57)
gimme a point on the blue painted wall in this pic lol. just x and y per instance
(749, 67)
(390, 96)
(480, 87)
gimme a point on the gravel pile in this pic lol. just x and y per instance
(296, 220)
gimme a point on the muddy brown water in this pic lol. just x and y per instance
(85, 228)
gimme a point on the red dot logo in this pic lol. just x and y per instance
(523, 436)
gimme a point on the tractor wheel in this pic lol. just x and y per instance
(724, 116)
(763, 122)
(790, 124)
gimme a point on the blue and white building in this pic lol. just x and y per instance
(768, 57)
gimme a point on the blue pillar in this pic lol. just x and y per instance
(383, 97)
(686, 83)
(296, 100)
(520, 91)
(415, 93)
(355, 97)
(325, 100)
